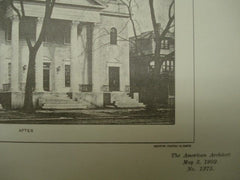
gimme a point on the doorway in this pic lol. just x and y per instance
(46, 76)
(114, 79)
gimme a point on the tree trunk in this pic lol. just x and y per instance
(30, 83)
(155, 75)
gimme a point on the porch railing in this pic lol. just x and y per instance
(6, 87)
(85, 87)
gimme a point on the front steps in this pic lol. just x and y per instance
(59, 102)
(62, 101)
(122, 100)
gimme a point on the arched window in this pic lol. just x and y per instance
(113, 36)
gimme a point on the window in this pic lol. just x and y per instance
(163, 68)
(58, 32)
(67, 34)
(151, 66)
(168, 66)
(8, 30)
(113, 36)
(67, 76)
(9, 73)
(165, 44)
(27, 28)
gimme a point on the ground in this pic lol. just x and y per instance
(90, 116)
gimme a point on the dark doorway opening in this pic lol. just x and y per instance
(46, 76)
(114, 79)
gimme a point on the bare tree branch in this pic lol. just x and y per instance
(170, 9)
(28, 40)
(155, 28)
(48, 12)
(21, 17)
(124, 27)
(22, 8)
(158, 37)
(15, 9)
(170, 21)
(130, 13)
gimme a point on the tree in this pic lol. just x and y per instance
(153, 83)
(158, 36)
(33, 49)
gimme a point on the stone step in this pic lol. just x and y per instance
(60, 101)
(126, 105)
(129, 101)
(122, 100)
(64, 106)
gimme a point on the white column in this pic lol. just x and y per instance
(74, 57)
(1, 68)
(96, 59)
(83, 58)
(15, 55)
(39, 59)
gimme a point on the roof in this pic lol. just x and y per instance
(150, 35)
(91, 3)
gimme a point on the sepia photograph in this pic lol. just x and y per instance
(101, 62)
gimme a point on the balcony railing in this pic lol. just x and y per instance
(85, 87)
(105, 88)
(6, 87)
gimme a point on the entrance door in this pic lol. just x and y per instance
(46, 76)
(114, 81)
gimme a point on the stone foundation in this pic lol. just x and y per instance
(15, 100)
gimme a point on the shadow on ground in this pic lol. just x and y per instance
(91, 116)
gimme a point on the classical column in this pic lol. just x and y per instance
(39, 59)
(1, 68)
(96, 59)
(83, 57)
(15, 55)
(74, 57)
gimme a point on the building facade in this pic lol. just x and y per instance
(142, 65)
(81, 61)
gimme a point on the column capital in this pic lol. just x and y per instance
(75, 23)
(14, 18)
(40, 20)
(96, 24)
